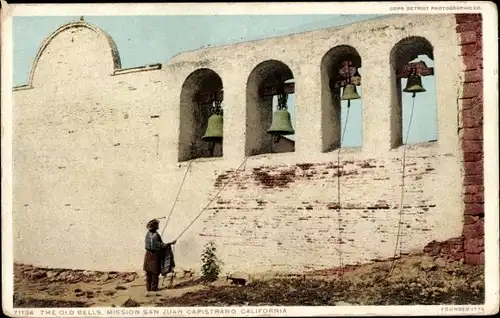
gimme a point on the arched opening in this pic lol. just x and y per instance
(413, 55)
(341, 66)
(199, 94)
(270, 88)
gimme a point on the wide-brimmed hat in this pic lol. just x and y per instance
(153, 224)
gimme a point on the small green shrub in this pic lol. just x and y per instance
(211, 267)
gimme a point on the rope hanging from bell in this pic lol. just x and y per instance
(413, 86)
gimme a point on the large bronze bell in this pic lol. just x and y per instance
(282, 124)
(414, 84)
(214, 128)
(350, 92)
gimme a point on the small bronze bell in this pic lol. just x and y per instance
(214, 128)
(282, 124)
(350, 92)
(414, 84)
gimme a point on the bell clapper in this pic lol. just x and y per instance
(275, 138)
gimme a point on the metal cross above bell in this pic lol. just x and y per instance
(281, 124)
(215, 125)
(414, 84)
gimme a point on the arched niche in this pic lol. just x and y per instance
(424, 117)
(194, 113)
(333, 109)
(260, 108)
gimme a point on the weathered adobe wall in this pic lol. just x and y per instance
(85, 157)
(95, 157)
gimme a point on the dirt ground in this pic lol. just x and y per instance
(417, 279)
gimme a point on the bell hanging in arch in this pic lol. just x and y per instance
(214, 128)
(282, 124)
(350, 92)
(215, 125)
(414, 84)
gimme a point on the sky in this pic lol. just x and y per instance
(143, 40)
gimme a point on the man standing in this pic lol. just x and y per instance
(154, 254)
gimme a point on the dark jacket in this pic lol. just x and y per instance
(159, 257)
(167, 264)
(154, 242)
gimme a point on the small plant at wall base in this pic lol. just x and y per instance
(211, 267)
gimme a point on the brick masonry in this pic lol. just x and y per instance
(306, 222)
(469, 27)
(470, 246)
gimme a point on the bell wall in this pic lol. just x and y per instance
(96, 156)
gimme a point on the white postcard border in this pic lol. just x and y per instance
(490, 51)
